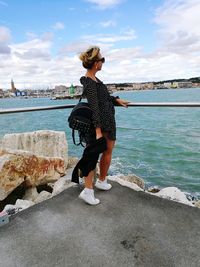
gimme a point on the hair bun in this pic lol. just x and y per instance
(89, 56)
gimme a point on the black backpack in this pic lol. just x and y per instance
(80, 120)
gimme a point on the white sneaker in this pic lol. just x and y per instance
(103, 185)
(88, 196)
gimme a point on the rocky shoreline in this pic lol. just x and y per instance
(35, 166)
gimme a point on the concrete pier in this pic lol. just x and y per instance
(127, 228)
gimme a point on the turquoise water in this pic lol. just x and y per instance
(161, 145)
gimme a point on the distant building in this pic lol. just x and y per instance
(141, 86)
(147, 86)
(111, 88)
(174, 85)
(160, 86)
(137, 86)
(167, 84)
(17, 93)
(184, 84)
(60, 90)
(20, 93)
(196, 85)
(78, 89)
(1, 93)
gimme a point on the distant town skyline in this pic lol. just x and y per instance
(142, 41)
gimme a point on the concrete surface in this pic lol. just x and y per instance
(128, 228)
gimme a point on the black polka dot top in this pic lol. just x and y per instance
(102, 105)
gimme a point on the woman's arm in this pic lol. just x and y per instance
(98, 133)
(114, 100)
(119, 102)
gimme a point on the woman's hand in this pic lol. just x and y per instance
(122, 102)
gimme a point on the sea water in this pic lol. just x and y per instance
(159, 144)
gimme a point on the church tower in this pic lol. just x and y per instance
(13, 89)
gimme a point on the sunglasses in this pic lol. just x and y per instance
(102, 60)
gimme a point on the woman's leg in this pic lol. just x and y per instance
(89, 180)
(88, 193)
(106, 158)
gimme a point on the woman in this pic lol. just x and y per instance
(102, 105)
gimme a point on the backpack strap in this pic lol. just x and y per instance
(73, 137)
(74, 141)
(80, 137)
(81, 96)
(73, 132)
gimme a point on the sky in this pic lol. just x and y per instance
(142, 40)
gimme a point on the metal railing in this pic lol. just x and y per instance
(137, 104)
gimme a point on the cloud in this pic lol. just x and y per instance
(176, 56)
(126, 35)
(4, 49)
(103, 4)
(32, 63)
(5, 35)
(124, 54)
(75, 47)
(132, 65)
(58, 26)
(78, 46)
(26, 61)
(33, 54)
(38, 43)
(179, 25)
(108, 23)
(47, 36)
(31, 35)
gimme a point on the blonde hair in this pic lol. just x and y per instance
(89, 56)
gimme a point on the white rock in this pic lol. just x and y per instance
(72, 161)
(43, 195)
(61, 185)
(41, 143)
(19, 205)
(31, 194)
(9, 207)
(68, 174)
(124, 183)
(173, 193)
(132, 178)
(197, 204)
(23, 204)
